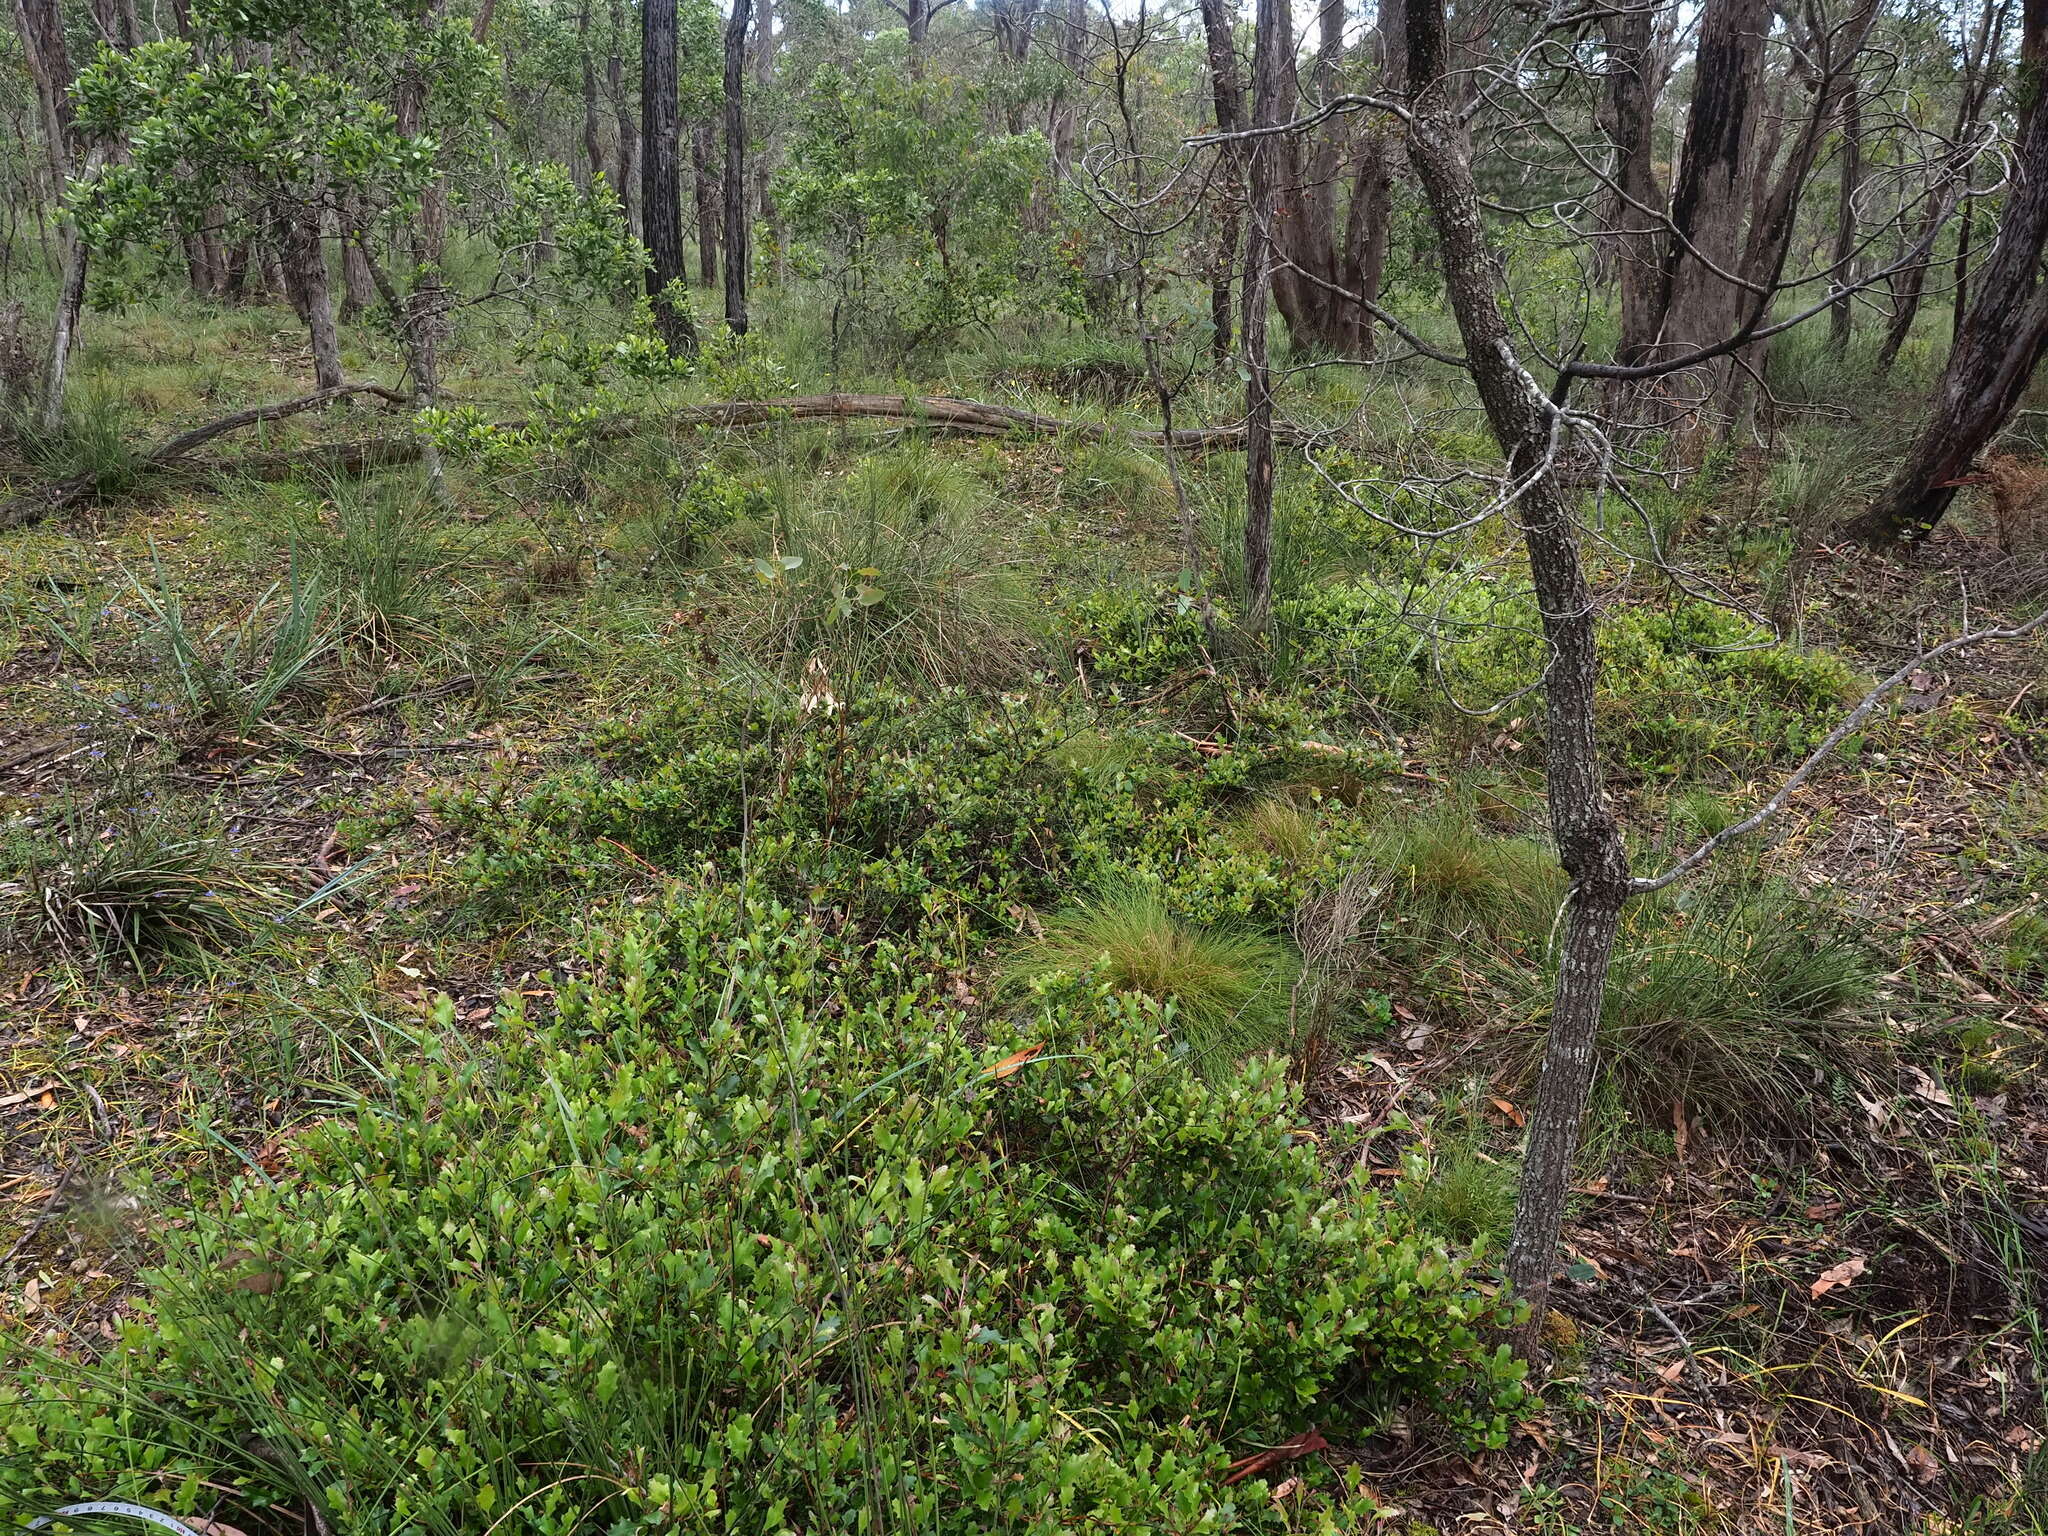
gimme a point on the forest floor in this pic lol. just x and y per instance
(1825, 1323)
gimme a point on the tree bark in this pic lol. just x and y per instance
(1977, 77)
(1272, 101)
(2001, 342)
(64, 328)
(1226, 93)
(661, 207)
(737, 223)
(1583, 824)
(930, 413)
(1315, 281)
(917, 22)
(41, 24)
(358, 288)
(593, 146)
(421, 316)
(1698, 305)
(704, 173)
(629, 133)
(1073, 56)
(305, 275)
(1842, 318)
(1629, 117)
(1829, 58)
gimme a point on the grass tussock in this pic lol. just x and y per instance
(1230, 990)
(230, 677)
(383, 555)
(1448, 878)
(1277, 825)
(885, 591)
(142, 890)
(1740, 1005)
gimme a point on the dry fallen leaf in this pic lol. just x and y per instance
(1013, 1062)
(41, 1090)
(1841, 1274)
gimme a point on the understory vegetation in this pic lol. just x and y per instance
(1034, 848)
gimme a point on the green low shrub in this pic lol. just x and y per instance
(754, 1237)
(891, 812)
(1133, 641)
(1684, 691)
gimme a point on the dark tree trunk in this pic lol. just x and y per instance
(661, 188)
(1370, 227)
(737, 223)
(704, 172)
(1583, 824)
(1842, 318)
(629, 131)
(1226, 93)
(1628, 116)
(1698, 307)
(64, 328)
(234, 283)
(41, 24)
(917, 22)
(1272, 103)
(304, 266)
(1977, 77)
(1994, 357)
(1906, 287)
(1073, 55)
(421, 316)
(1014, 23)
(357, 291)
(1959, 294)
(593, 146)
(1315, 282)
(764, 211)
(1829, 58)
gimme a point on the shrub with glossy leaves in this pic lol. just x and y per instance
(755, 1238)
(891, 812)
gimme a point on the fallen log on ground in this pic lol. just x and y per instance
(939, 413)
(176, 451)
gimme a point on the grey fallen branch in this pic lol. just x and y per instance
(937, 413)
(176, 451)
(1848, 726)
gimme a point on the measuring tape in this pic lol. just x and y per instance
(116, 1507)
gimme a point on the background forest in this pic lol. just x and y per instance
(979, 767)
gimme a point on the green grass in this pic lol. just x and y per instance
(1448, 880)
(1742, 1002)
(231, 677)
(1278, 825)
(140, 889)
(1231, 991)
(881, 588)
(386, 558)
